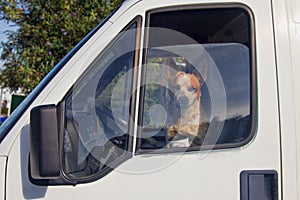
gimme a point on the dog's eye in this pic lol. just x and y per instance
(191, 89)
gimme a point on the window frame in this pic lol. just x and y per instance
(67, 180)
(252, 71)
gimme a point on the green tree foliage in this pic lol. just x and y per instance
(47, 30)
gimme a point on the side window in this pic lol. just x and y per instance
(97, 111)
(198, 80)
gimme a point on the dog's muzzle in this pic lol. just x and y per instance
(183, 101)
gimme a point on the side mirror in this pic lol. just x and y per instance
(44, 142)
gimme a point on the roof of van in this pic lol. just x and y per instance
(122, 8)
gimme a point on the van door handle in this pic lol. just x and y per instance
(259, 185)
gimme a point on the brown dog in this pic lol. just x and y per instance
(188, 93)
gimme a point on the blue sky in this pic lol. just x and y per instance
(3, 27)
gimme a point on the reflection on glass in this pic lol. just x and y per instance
(184, 84)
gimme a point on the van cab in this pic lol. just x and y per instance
(185, 99)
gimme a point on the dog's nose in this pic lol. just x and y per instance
(183, 101)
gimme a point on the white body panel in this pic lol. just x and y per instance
(185, 176)
(2, 174)
(287, 47)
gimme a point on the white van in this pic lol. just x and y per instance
(114, 119)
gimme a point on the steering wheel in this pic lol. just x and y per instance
(114, 123)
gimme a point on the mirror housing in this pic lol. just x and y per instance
(44, 142)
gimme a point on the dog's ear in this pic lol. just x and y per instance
(170, 66)
(195, 83)
(201, 71)
(178, 74)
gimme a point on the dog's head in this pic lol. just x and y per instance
(187, 88)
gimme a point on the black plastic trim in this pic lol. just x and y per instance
(44, 142)
(258, 184)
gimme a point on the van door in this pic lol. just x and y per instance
(228, 145)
